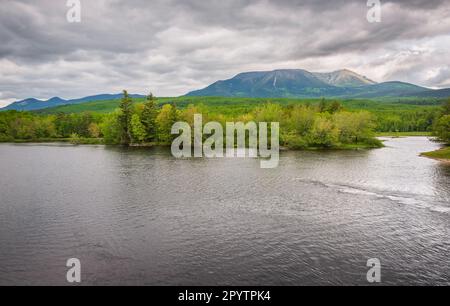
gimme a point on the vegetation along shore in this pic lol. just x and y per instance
(304, 123)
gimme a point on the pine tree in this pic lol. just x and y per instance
(148, 118)
(125, 118)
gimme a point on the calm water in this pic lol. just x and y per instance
(140, 217)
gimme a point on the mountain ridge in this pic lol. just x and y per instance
(300, 83)
(31, 104)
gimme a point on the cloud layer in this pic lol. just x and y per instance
(174, 46)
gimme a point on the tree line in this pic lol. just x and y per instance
(441, 126)
(322, 125)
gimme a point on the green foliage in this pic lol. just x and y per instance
(269, 113)
(439, 154)
(81, 124)
(354, 127)
(126, 111)
(301, 120)
(442, 128)
(304, 123)
(110, 128)
(148, 118)
(324, 133)
(138, 130)
(446, 108)
(75, 139)
(165, 120)
(94, 130)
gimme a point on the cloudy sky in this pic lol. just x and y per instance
(174, 46)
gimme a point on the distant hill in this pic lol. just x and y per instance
(439, 93)
(298, 83)
(388, 89)
(35, 104)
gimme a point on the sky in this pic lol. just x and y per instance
(170, 47)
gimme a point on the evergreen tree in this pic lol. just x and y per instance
(148, 118)
(124, 118)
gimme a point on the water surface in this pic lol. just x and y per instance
(141, 217)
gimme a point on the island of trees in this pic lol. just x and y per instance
(325, 124)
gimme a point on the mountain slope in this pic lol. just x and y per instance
(344, 78)
(33, 104)
(438, 93)
(387, 89)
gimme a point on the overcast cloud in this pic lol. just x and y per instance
(174, 46)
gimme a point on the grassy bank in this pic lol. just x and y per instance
(100, 141)
(442, 154)
(404, 134)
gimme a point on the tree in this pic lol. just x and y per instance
(354, 127)
(442, 129)
(324, 133)
(137, 129)
(148, 118)
(335, 107)
(301, 120)
(166, 119)
(94, 130)
(124, 118)
(270, 112)
(446, 108)
(322, 105)
(111, 129)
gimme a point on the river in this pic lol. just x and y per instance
(140, 217)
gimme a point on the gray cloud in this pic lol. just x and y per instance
(173, 46)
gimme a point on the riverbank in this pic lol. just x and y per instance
(404, 134)
(442, 155)
(84, 141)
(100, 141)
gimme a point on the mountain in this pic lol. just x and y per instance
(344, 78)
(277, 83)
(387, 89)
(438, 93)
(32, 104)
(35, 104)
(300, 83)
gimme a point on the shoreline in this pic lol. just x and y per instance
(99, 141)
(441, 155)
(403, 134)
(442, 160)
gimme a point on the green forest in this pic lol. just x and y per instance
(306, 123)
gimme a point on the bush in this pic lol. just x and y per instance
(75, 139)
(442, 129)
(324, 133)
(110, 129)
(295, 142)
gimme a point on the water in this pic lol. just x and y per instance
(140, 217)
